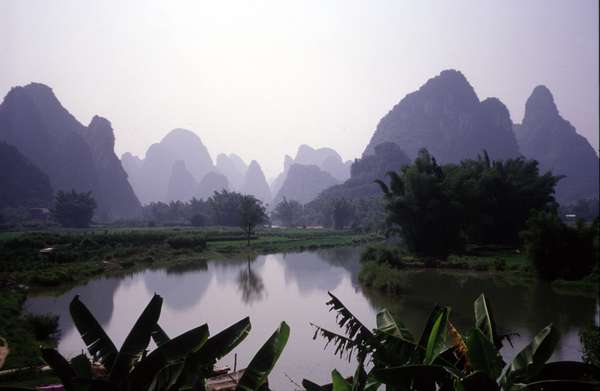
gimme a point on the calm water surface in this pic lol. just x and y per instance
(293, 287)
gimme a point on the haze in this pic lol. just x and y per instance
(260, 78)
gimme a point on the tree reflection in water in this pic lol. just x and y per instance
(250, 284)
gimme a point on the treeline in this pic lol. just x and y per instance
(438, 209)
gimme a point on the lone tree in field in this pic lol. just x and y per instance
(252, 213)
(74, 210)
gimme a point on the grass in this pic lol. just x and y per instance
(383, 267)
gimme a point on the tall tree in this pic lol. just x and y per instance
(251, 213)
(73, 209)
(289, 213)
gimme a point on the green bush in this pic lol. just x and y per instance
(382, 254)
(558, 251)
(187, 241)
(44, 327)
(590, 340)
(381, 276)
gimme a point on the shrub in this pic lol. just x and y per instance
(382, 254)
(590, 340)
(381, 276)
(44, 327)
(198, 220)
(187, 241)
(557, 250)
(500, 264)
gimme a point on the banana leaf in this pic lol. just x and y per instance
(98, 344)
(310, 386)
(137, 341)
(387, 324)
(568, 370)
(200, 363)
(436, 341)
(159, 336)
(171, 351)
(479, 381)
(482, 354)
(530, 361)
(403, 377)
(562, 385)
(339, 383)
(82, 366)
(61, 368)
(263, 362)
(484, 319)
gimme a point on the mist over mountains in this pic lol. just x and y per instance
(46, 148)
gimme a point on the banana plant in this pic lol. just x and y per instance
(183, 362)
(445, 359)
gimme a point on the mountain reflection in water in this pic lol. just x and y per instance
(293, 287)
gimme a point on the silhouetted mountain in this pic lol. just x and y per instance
(211, 182)
(303, 183)
(256, 184)
(21, 182)
(112, 185)
(233, 167)
(387, 157)
(548, 138)
(326, 159)
(150, 182)
(182, 185)
(33, 120)
(446, 117)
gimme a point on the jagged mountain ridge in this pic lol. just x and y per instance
(74, 156)
(446, 117)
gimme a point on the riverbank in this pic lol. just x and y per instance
(57, 260)
(383, 268)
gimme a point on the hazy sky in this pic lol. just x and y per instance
(258, 78)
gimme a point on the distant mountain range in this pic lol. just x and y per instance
(71, 155)
(44, 149)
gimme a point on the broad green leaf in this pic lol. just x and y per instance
(532, 358)
(568, 370)
(482, 354)
(562, 385)
(219, 345)
(82, 366)
(61, 368)
(263, 362)
(403, 376)
(200, 363)
(339, 383)
(436, 342)
(387, 324)
(175, 349)
(484, 318)
(422, 345)
(137, 341)
(310, 386)
(159, 336)
(360, 378)
(99, 345)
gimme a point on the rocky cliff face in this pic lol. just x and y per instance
(72, 155)
(233, 167)
(182, 185)
(303, 183)
(446, 117)
(213, 181)
(21, 182)
(551, 140)
(112, 185)
(256, 184)
(151, 180)
(326, 159)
